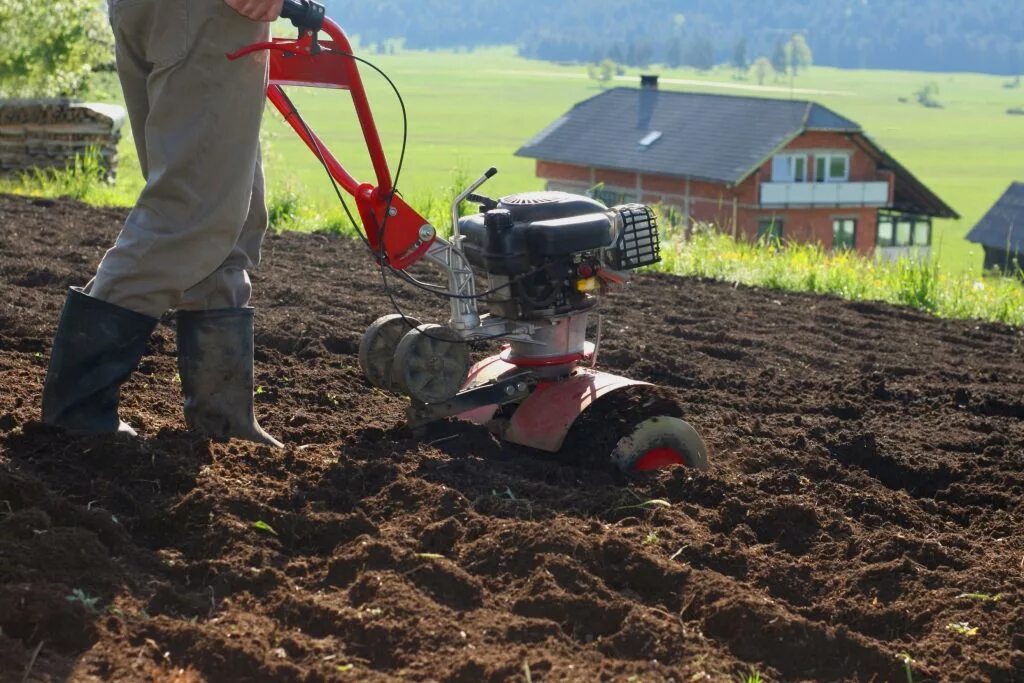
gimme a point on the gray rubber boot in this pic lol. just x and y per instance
(215, 350)
(96, 348)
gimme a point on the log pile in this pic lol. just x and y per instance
(43, 134)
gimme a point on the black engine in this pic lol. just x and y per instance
(549, 253)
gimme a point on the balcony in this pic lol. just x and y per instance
(824, 194)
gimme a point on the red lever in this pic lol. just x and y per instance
(302, 46)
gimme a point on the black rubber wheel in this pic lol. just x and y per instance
(635, 429)
(660, 442)
(377, 348)
(431, 364)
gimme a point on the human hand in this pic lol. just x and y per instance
(257, 10)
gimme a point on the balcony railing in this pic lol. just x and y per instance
(825, 194)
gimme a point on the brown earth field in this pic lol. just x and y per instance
(861, 521)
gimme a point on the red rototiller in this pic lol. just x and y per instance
(546, 258)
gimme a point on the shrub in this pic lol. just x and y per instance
(50, 48)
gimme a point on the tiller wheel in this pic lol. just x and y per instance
(377, 348)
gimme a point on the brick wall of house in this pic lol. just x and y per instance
(863, 168)
(556, 171)
(737, 209)
(814, 225)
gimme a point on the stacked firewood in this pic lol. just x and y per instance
(43, 134)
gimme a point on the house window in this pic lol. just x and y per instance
(789, 168)
(904, 231)
(831, 168)
(770, 229)
(922, 233)
(886, 232)
(844, 233)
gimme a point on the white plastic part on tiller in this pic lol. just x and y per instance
(544, 419)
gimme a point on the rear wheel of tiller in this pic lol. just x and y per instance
(431, 364)
(377, 348)
(660, 442)
(638, 429)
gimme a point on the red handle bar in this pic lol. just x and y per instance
(307, 62)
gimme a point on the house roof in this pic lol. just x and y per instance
(720, 138)
(712, 137)
(1003, 226)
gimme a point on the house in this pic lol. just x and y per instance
(1001, 232)
(790, 169)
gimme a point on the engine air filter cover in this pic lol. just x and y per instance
(530, 207)
(638, 244)
(526, 198)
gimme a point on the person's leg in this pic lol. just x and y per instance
(215, 338)
(96, 347)
(201, 144)
(197, 129)
(229, 286)
(97, 344)
(133, 71)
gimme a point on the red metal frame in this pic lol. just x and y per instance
(544, 418)
(308, 62)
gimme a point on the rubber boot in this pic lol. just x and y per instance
(215, 356)
(96, 348)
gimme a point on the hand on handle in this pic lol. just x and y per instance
(257, 10)
(304, 14)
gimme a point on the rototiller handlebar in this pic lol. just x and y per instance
(310, 62)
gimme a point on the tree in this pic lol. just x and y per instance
(603, 72)
(799, 53)
(701, 54)
(674, 56)
(739, 55)
(643, 54)
(762, 67)
(926, 95)
(780, 59)
(51, 48)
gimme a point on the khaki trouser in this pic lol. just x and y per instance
(199, 223)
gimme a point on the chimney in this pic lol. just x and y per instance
(649, 81)
(648, 100)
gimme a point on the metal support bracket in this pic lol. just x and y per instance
(509, 390)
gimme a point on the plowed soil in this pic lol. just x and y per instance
(861, 521)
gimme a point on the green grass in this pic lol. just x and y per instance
(753, 676)
(83, 180)
(923, 284)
